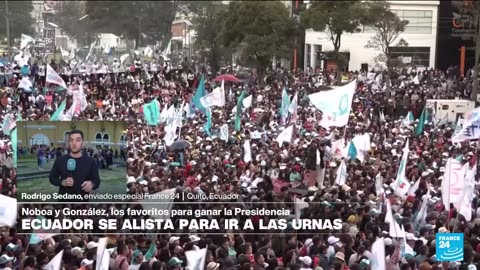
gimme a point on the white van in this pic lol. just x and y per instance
(450, 109)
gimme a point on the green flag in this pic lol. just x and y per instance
(238, 114)
(151, 251)
(151, 112)
(58, 112)
(421, 123)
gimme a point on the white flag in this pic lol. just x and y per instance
(162, 201)
(64, 53)
(56, 262)
(247, 157)
(215, 98)
(101, 250)
(25, 84)
(422, 214)
(394, 228)
(123, 57)
(341, 174)
(378, 255)
(379, 185)
(285, 136)
(299, 205)
(416, 81)
(414, 188)
(186, 108)
(196, 259)
(8, 211)
(168, 49)
(335, 104)
(25, 40)
(53, 77)
(292, 108)
(247, 102)
(224, 133)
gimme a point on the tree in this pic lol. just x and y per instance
(471, 19)
(388, 28)
(207, 22)
(335, 18)
(20, 17)
(133, 19)
(68, 18)
(260, 29)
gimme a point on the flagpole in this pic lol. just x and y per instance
(448, 200)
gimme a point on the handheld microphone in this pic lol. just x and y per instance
(71, 164)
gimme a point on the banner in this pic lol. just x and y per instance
(453, 183)
(471, 127)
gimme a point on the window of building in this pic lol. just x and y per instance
(419, 21)
(123, 139)
(106, 138)
(420, 55)
(308, 51)
(98, 138)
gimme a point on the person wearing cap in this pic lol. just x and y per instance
(332, 240)
(6, 261)
(213, 266)
(137, 259)
(174, 263)
(86, 264)
(306, 263)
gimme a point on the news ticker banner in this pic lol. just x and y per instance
(166, 218)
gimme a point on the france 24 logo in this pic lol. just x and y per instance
(449, 247)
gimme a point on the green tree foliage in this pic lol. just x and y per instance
(207, 21)
(261, 29)
(335, 18)
(469, 17)
(388, 28)
(21, 20)
(144, 21)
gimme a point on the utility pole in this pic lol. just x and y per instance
(7, 23)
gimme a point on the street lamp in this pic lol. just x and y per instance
(83, 17)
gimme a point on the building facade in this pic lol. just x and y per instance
(420, 34)
(96, 134)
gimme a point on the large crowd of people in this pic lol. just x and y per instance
(276, 176)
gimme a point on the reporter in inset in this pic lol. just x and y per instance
(76, 173)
